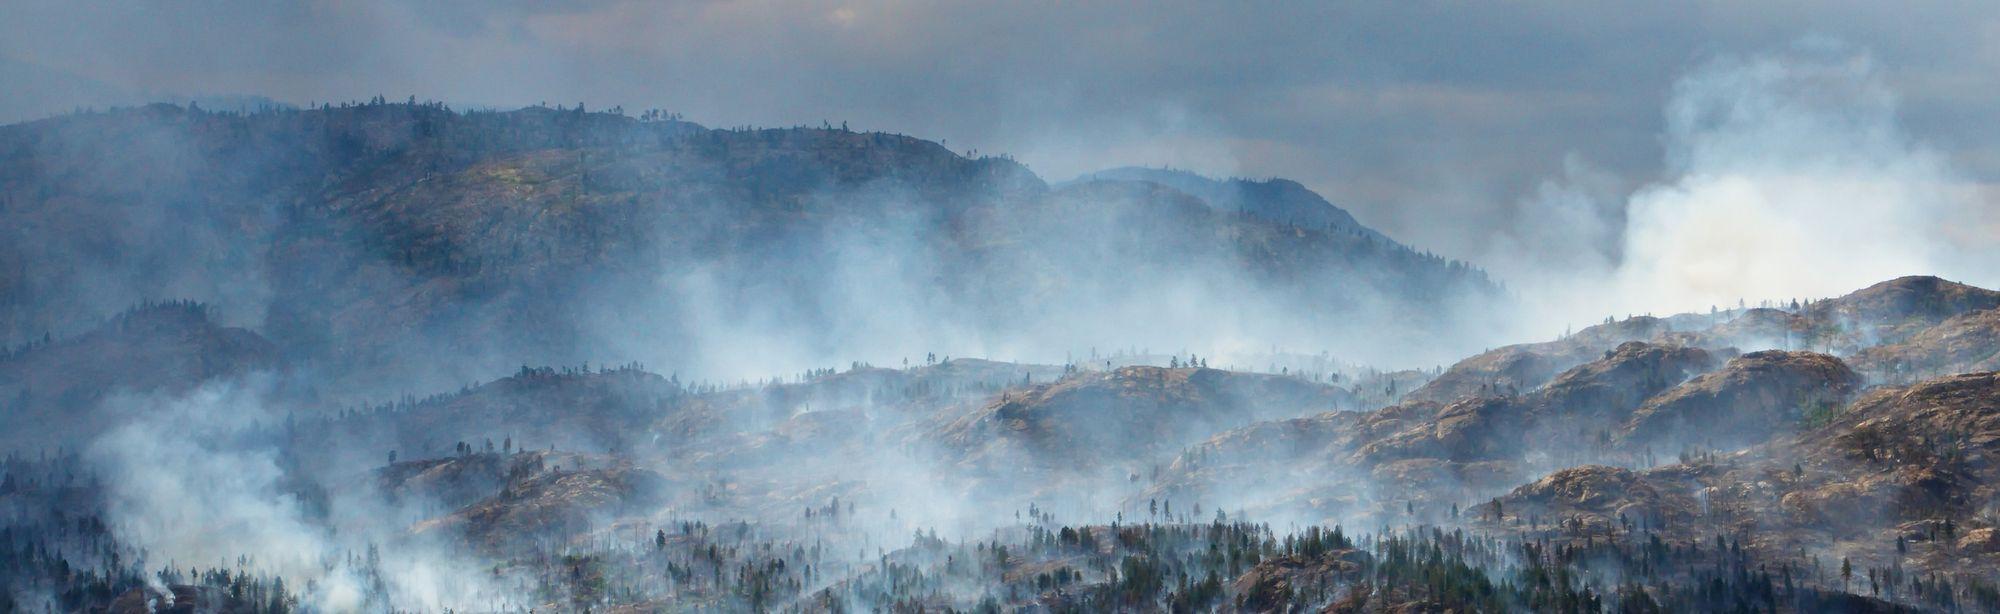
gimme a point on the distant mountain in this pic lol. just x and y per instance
(52, 391)
(1631, 392)
(1278, 200)
(36, 91)
(411, 246)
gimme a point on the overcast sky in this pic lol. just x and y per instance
(1430, 121)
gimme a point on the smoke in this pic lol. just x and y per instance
(1571, 223)
(1787, 175)
(192, 481)
(176, 488)
(889, 271)
(189, 228)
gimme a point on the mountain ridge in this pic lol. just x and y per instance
(356, 235)
(1275, 198)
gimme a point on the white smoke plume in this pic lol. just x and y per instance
(190, 483)
(1787, 175)
(176, 488)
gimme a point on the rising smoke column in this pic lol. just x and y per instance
(193, 480)
(1787, 175)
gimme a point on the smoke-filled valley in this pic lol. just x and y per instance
(393, 355)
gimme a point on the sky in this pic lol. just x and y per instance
(1442, 124)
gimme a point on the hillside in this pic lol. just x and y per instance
(378, 249)
(363, 236)
(1104, 421)
(1893, 482)
(1682, 451)
(1752, 398)
(1273, 199)
(54, 392)
(1508, 414)
(1965, 342)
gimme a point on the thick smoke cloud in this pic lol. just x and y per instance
(1789, 175)
(1794, 177)
(181, 490)
(197, 481)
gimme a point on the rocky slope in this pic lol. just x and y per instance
(1518, 368)
(1098, 422)
(543, 500)
(1747, 401)
(1901, 478)
(1427, 451)
(1964, 343)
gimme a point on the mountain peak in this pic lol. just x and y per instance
(1276, 199)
